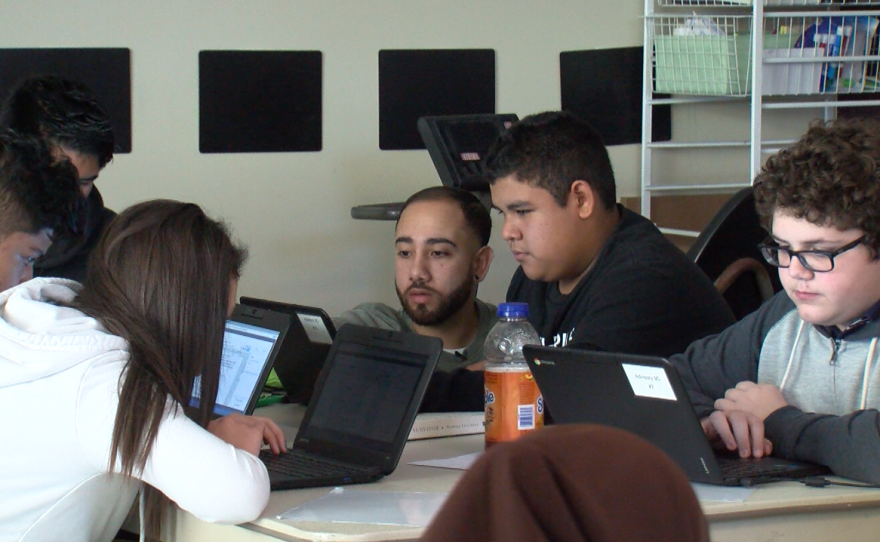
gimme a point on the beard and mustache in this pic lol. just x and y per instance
(449, 303)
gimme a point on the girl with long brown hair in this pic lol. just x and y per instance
(98, 375)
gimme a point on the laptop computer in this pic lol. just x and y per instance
(251, 343)
(304, 349)
(362, 410)
(644, 395)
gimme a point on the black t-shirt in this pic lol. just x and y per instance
(554, 301)
(642, 296)
(69, 259)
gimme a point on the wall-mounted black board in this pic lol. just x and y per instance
(260, 101)
(417, 83)
(106, 71)
(604, 87)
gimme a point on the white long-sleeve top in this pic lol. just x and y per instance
(59, 383)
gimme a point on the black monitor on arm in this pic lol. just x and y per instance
(457, 145)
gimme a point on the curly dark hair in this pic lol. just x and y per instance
(63, 112)
(830, 177)
(37, 191)
(552, 150)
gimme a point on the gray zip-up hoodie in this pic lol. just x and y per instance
(830, 380)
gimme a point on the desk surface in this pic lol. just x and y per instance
(777, 512)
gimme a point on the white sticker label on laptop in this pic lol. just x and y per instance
(649, 382)
(315, 328)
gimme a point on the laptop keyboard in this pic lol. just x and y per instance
(300, 465)
(739, 468)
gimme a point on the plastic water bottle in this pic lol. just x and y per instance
(513, 403)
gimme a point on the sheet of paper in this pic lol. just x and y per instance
(709, 492)
(375, 507)
(462, 462)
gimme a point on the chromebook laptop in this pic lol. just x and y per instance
(251, 342)
(365, 401)
(644, 395)
(304, 348)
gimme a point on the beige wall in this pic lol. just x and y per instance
(293, 209)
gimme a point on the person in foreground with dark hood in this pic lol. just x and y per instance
(572, 483)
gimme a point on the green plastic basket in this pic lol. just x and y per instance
(704, 65)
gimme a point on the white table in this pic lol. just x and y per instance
(787, 511)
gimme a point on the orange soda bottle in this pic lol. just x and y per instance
(513, 403)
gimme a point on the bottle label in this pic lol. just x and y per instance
(513, 405)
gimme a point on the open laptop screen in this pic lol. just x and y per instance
(366, 396)
(247, 351)
(304, 350)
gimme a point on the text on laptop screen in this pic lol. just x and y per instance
(366, 396)
(246, 350)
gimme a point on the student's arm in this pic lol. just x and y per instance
(248, 433)
(711, 366)
(204, 475)
(207, 477)
(849, 445)
(737, 431)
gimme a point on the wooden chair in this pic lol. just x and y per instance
(742, 266)
(727, 251)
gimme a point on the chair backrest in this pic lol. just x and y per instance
(732, 235)
(746, 265)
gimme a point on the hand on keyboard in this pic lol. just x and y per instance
(248, 433)
(735, 430)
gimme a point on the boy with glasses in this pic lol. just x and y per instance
(800, 376)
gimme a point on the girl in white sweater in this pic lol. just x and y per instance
(93, 380)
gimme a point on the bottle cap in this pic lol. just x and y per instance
(513, 310)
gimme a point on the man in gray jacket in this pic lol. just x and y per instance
(441, 256)
(799, 378)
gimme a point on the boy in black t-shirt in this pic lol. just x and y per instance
(595, 275)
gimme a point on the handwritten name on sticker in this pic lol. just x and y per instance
(649, 382)
(315, 328)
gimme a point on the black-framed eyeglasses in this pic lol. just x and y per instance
(817, 261)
